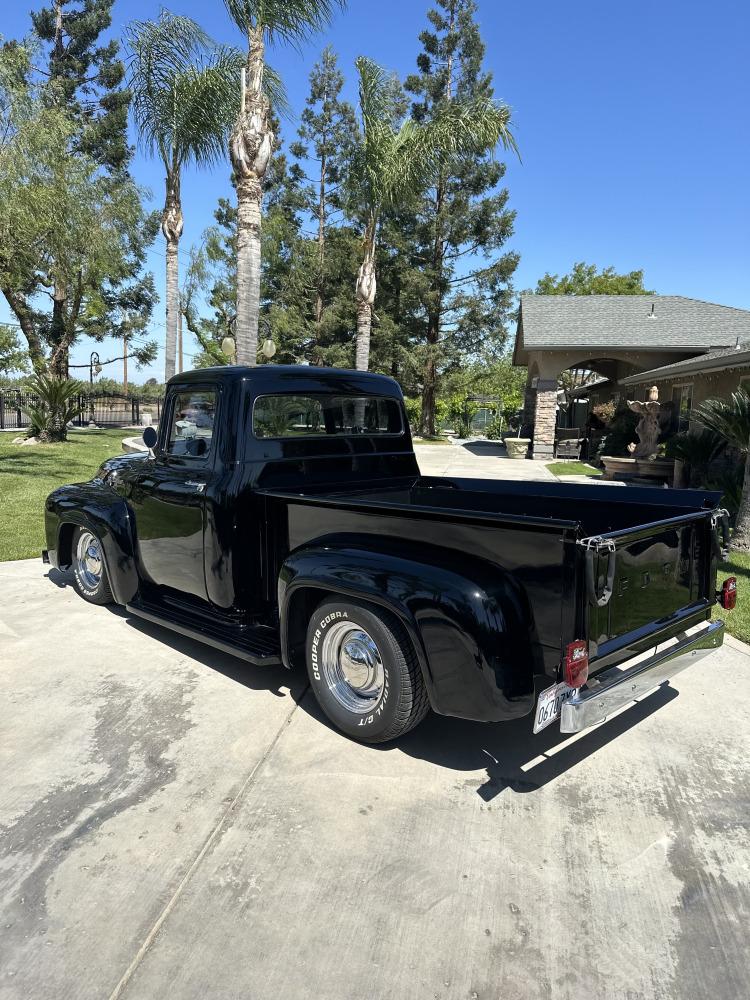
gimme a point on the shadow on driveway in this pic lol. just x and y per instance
(514, 758)
(486, 449)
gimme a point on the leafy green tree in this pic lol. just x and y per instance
(397, 321)
(326, 135)
(501, 380)
(252, 141)
(184, 101)
(586, 279)
(463, 221)
(730, 419)
(73, 233)
(13, 358)
(394, 163)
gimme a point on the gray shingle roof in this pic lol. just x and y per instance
(557, 321)
(728, 357)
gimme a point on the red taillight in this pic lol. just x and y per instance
(728, 594)
(576, 664)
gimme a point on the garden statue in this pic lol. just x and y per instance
(648, 426)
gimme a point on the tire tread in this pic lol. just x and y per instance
(413, 703)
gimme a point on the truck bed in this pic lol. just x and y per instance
(657, 548)
(590, 509)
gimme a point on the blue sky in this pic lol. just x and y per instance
(632, 122)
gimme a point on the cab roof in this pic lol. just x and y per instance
(293, 378)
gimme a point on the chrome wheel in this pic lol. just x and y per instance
(352, 667)
(89, 560)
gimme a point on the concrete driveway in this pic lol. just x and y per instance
(175, 823)
(478, 460)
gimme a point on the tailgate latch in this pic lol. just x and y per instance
(593, 546)
(720, 516)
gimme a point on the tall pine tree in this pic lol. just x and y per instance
(86, 76)
(464, 222)
(325, 139)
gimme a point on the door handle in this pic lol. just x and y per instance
(200, 487)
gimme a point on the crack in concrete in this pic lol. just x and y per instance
(208, 844)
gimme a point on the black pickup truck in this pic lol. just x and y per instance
(280, 515)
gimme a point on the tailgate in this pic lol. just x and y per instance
(641, 580)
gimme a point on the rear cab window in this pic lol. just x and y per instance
(285, 416)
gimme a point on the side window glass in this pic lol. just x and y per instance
(192, 423)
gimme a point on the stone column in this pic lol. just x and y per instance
(545, 418)
(529, 410)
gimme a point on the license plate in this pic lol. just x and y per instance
(550, 703)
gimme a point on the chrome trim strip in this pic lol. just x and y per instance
(615, 687)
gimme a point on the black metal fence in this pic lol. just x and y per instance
(103, 409)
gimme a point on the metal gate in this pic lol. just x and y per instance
(102, 409)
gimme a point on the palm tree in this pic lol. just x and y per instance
(184, 99)
(251, 143)
(392, 164)
(730, 418)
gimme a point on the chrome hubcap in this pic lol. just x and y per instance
(352, 667)
(89, 560)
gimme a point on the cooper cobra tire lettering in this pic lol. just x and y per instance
(401, 701)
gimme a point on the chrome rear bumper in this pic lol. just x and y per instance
(614, 688)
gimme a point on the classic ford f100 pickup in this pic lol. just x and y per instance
(280, 515)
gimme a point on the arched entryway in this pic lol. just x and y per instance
(543, 388)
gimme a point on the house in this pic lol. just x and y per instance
(688, 348)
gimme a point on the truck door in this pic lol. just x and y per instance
(169, 495)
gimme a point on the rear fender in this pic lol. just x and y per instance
(469, 621)
(106, 514)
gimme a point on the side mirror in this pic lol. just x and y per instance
(150, 437)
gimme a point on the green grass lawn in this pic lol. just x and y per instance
(737, 620)
(418, 440)
(573, 469)
(28, 473)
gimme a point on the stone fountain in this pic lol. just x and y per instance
(644, 462)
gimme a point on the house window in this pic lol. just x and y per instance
(682, 404)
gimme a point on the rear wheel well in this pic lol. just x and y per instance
(302, 604)
(65, 544)
(301, 607)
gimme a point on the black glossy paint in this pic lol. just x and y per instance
(238, 546)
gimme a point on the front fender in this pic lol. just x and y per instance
(95, 506)
(470, 622)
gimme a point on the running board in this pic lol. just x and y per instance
(257, 644)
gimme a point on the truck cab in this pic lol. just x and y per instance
(279, 514)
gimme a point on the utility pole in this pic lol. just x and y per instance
(125, 364)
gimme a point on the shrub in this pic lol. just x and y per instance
(57, 404)
(413, 412)
(620, 433)
(494, 429)
(698, 450)
(730, 481)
